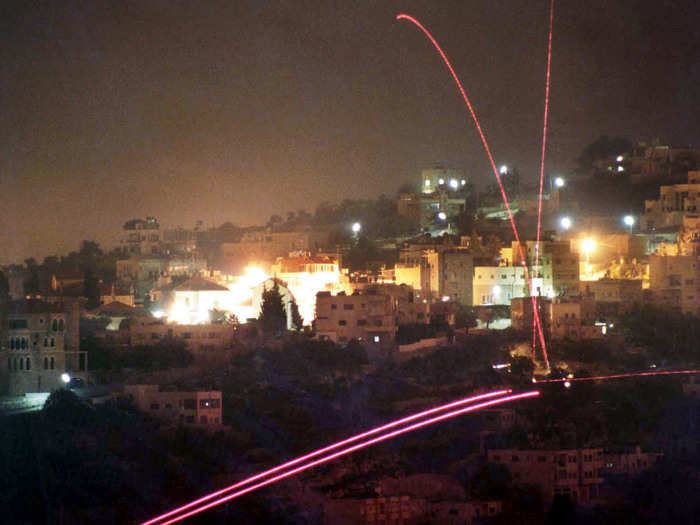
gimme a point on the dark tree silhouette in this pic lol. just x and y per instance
(273, 318)
(297, 321)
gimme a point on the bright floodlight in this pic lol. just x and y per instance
(454, 184)
(565, 223)
(559, 182)
(463, 182)
(441, 181)
(65, 378)
(620, 158)
(442, 216)
(628, 220)
(356, 227)
(588, 245)
(620, 169)
(503, 170)
(427, 182)
(445, 298)
(496, 290)
(567, 384)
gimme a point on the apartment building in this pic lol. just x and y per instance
(200, 408)
(573, 472)
(674, 282)
(37, 347)
(200, 339)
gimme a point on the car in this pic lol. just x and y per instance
(76, 382)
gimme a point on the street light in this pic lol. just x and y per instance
(442, 216)
(629, 221)
(559, 182)
(620, 158)
(503, 170)
(356, 227)
(565, 223)
(454, 184)
(65, 378)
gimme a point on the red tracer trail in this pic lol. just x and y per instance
(333, 446)
(535, 313)
(544, 149)
(621, 376)
(349, 450)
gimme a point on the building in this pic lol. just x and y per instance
(577, 473)
(140, 237)
(369, 317)
(673, 282)
(630, 463)
(449, 275)
(265, 246)
(110, 293)
(674, 202)
(614, 296)
(200, 339)
(193, 300)
(647, 161)
(143, 273)
(199, 409)
(38, 347)
(559, 256)
(572, 318)
(499, 285)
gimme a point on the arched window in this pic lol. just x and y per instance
(24, 343)
(54, 325)
(61, 325)
(46, 363)
(52, 363)
(21, 363)
(9, 364)
(12, 343)
(46, 342)
(29, 363)
(53, 342)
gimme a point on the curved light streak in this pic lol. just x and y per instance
(349, 450)
(328, 448)
(535, 313)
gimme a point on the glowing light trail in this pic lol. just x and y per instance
(333, 446)
(330, 457)
(619, 376)
(544, 149)
(447, 62)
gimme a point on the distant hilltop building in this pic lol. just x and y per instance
(646, 161)
(442, 197)
(140, 237)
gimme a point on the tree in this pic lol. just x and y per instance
(486, 315)
(92, 289)
(603, 147)
(273, 318)
(297, 321)
(4, 288)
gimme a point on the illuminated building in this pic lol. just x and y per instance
(615, 296)
(370, 318)
(673, 282)
(577, 473)
(140, 237)
(112, 292)
(498, 285)
(141, 272)
(305, 275)
(559, 256)
(201, 408)
(449, 274)
(192, 301)
(675, 202)
(37, 348)
(265, 246)
(631, 463)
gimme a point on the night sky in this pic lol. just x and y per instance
(236, 110)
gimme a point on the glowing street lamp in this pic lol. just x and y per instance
(356, 227)
(441, 181)
(565, 223)
(454, 184)
(559, 182)
(629, 221)
(503, 170)
(65, 378)
(620, 158)
(442, 216)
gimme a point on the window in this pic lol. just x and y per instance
(189, 419)
(29, 363)
(378, 322)
(21, 363)
(361, 322)
(203, 419)
(542, 459)
(51, 364)
(46, 341)
(515, 459)
(16, 324)
(189, 404)
(348, 307)
(53, 342)
(54, 325)
(46, 363)
(61, 325)
(334, 306)
(155, 406)
(168, 405)
(342, 322)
